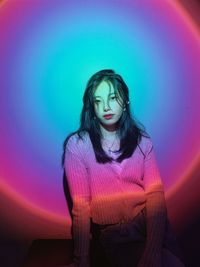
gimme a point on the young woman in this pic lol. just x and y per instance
(119, 214)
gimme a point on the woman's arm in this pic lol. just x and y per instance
(155, 211)
(77, 177)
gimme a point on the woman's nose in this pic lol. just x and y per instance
(106, 107)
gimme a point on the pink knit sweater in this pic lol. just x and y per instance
(113, 192)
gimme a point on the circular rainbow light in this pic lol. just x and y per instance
(48, 53)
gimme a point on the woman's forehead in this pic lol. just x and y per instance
(105, 88)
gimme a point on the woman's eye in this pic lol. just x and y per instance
(96, 101)
(113, 97)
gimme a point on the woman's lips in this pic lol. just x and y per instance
(108, 117)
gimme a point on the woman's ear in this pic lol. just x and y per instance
(127, 103)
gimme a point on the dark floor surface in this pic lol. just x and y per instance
(58, 252)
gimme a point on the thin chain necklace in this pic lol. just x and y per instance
(109, 147)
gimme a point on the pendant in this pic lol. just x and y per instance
(111, 151)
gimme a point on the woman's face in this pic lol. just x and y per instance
(108, 105)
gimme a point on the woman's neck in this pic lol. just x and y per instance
(109, 133)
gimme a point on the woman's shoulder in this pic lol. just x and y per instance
(76, 140)
(145, 144)
(75, 144)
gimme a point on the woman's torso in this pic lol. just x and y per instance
(116, 189)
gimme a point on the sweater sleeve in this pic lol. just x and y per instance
(77, 177)
(155, 210)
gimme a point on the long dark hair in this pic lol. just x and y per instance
(129, 130)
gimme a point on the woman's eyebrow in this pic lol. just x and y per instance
(108, 95)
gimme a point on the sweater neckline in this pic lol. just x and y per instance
(114, 164)
(117, 167)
